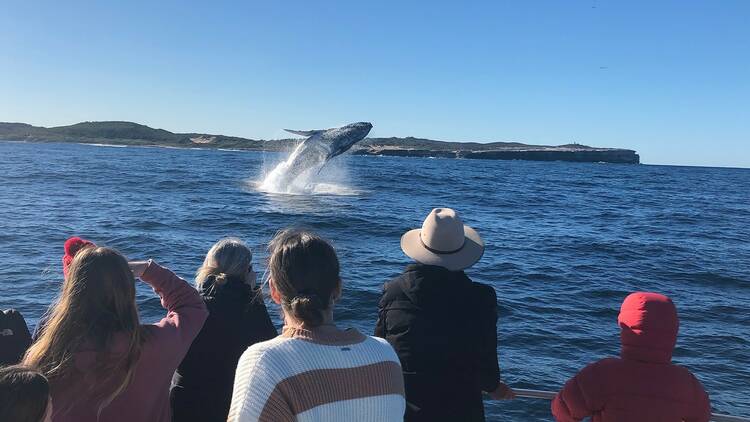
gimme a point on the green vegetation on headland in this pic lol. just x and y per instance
(128, 133)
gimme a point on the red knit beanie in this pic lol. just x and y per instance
(72, 246)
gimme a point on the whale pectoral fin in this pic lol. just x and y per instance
(304, 132)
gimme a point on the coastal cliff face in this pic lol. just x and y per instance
(593, 155)
(129, 133)
(621, 156)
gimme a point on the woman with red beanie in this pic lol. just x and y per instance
(643, 384)
(72, 246)
(102, 362)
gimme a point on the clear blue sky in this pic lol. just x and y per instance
(670, 79)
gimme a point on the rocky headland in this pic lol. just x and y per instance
(128, 133)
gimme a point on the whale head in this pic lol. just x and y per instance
(360, 129)
(343, 138)
(337, 140)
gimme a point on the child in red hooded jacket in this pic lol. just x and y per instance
(642, 385)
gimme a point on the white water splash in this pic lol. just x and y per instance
(326, 179)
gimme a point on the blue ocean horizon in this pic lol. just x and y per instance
(566, 242)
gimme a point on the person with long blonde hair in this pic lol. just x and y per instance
(101, 362)
(202, 385)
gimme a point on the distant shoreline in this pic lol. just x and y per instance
(133, 134)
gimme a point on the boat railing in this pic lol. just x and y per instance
(549, 395)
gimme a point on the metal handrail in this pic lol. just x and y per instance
(549, 395)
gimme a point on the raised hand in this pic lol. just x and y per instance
(138, 267)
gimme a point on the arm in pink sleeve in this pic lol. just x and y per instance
(186, 311)
(581, 396)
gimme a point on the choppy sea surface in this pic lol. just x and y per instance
(566, 242)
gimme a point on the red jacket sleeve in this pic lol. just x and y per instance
(186, 311)
(582, 396)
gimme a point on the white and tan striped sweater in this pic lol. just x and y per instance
(323, 374)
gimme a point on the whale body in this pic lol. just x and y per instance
(316, 150)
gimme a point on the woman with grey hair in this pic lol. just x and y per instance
(202, 385)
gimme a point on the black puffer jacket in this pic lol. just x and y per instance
(443, 327)
(14, 337)
(202, 385)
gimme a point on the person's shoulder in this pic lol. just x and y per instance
(11, 314)
(392, 289)
(383, 347)
(12, 318)
(261, 361)
(609, 362)
(484, 289)
(273, 344)
(484, 293)
(394, 281)
(379, 342)
(604, 367)
(595, 375)
(683, 372)
(264, 350)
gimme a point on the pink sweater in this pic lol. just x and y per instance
(147, 397)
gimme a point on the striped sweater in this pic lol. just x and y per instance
(322, 374)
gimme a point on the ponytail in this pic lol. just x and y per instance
(308, 308)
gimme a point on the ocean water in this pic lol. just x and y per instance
(566, 242)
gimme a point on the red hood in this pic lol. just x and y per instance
(648, 327)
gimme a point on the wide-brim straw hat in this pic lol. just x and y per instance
(444, 240)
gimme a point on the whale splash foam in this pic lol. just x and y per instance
(276, 180)
(299, 172)
(325, 179)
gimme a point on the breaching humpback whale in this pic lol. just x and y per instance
(319, 147)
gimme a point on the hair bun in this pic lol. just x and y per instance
(220, 278)
(308, 307)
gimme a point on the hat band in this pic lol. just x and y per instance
(439, 252)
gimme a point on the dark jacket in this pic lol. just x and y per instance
(202, 385)
(14, 337)
(443, 327)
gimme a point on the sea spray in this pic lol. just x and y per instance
(298, 173)
(279, 180)
(328, 178)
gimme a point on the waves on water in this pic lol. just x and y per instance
(565, 242)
